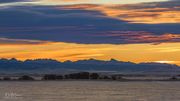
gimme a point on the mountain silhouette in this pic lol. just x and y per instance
(53, 66)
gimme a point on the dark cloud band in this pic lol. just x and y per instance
(9, 1)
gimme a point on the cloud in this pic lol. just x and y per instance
(10, 1)
(148, 13)
(142, 37)
(67, 2)
(76, 24)
(7, 41)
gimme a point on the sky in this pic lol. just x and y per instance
(126, 30)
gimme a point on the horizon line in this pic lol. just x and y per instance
(112, 59)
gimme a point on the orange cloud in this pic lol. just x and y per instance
(60, 0)
(136, 13)
(148, 13)
(141, 37)
(156, 38)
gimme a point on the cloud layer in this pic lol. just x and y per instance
(78, 24)
(6, 41)
(148, 13)
(11, 1)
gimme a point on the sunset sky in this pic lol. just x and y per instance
(126, 30)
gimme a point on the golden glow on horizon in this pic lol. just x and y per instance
(69, 51)
(169, 62)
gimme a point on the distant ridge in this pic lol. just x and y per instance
(53, 66)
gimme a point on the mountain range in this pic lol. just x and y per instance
(53, 66)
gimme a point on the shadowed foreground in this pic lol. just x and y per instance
(89, 91)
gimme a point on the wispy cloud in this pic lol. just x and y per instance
(142, 37)
(67, 2)
(7, 41)
(149, 13)
(10, 1)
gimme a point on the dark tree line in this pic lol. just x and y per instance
(24, 78)
(75, 76)
(81, 75)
